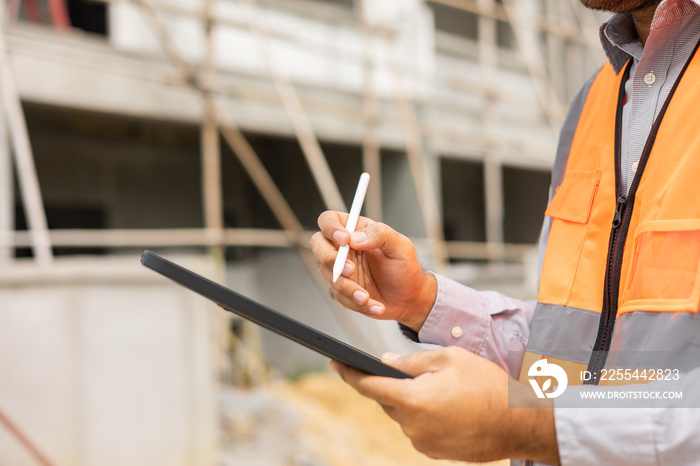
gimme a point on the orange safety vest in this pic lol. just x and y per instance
(621, 271)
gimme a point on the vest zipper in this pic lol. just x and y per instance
(621, 201)
(609, 309)
(620, 228)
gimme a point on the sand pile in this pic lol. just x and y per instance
(316, 421)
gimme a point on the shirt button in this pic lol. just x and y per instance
(635, 165)
(650, 78)
(457, 332)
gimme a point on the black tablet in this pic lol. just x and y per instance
(271, 320)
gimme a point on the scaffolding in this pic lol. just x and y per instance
(539, 27)
(542, 29)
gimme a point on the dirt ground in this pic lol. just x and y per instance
(315, 421)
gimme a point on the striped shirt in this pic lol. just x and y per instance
(675, 31)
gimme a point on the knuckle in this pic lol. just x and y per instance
(323, 252)
(385, 229)
(453, 352)
(420, 435)
(380, 228)
(428, 451)
(416, 433)
(386, 234)
(340, 297)
(409, 431)
(328, 259)
(315, 238)
(401, 238)
(327, 219)
(378, 232)
(363, 388)
(322, 217)
(412, 404)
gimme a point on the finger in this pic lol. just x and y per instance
(387, 391)
(332, 224)
(324, 251)
(345, 290)
(348, 269)
(351, 296)
(380, 236)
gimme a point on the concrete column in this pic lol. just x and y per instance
(493, 178)
(555, 50)
(7, 203)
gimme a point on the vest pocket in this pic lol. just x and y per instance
(664, 273)
(573, 200)
(570, 210)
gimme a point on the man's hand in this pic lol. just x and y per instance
(382, 278)
(456, 407)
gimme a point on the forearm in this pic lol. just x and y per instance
(530, 433)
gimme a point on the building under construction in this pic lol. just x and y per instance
(215, 132)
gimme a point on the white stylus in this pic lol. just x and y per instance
(351, 224)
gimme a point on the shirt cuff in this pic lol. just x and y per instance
(459, 317)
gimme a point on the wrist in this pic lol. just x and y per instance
(420, 308)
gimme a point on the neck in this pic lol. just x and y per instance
(642, 20)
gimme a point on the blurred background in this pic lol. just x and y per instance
(214, 132)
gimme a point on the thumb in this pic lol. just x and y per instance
(381, 236)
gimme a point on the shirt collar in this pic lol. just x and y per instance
(619, 37)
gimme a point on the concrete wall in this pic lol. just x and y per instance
(103, 362)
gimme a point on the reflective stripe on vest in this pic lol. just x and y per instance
(653, 282)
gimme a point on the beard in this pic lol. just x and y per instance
(619, 6)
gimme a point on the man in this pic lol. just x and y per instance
(620, 272)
